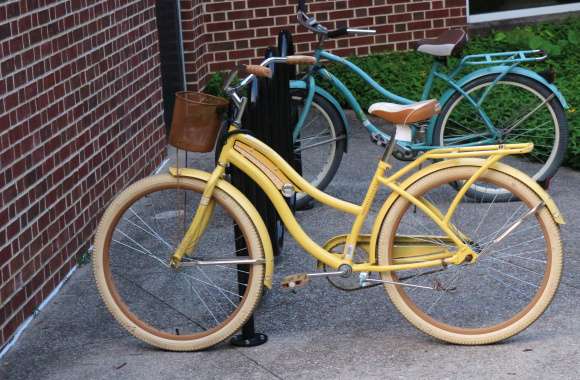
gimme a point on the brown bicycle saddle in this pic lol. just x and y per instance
(448, 43)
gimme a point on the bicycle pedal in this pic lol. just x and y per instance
(294, 281)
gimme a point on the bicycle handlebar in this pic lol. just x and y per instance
(311, 24)
(346, 31)
(259, 71)
(262, 70)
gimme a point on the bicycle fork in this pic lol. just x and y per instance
(200, 221)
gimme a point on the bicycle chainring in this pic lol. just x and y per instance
(350, 282)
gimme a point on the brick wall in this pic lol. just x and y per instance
(195, 38)
(80, 118)
(220, 34)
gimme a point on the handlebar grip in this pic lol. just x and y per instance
(259, 71)
(302, 6)
(338, 33)
(300, 60)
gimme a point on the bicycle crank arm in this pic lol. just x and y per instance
(192, 263)
(302, 279)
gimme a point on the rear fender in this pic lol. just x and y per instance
(474, 162)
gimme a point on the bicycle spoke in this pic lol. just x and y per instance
(512, 264)
(482, 295)
(203, 302)
(215, 286)
(514, 278)
(162, 301)
(526, 296)
(153, 232)
(156, 236)
(518, 244)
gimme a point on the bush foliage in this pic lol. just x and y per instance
(405, 72)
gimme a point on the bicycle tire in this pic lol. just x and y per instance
(159, 306)
(489, 305)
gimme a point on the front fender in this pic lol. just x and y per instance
(500, 69)
(475, 162)
(300, 84)
(247, 206)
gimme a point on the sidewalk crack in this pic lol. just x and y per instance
(261, 366)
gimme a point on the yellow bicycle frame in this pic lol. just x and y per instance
(275, 176)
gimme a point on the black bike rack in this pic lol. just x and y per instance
(270, 119)
(171, 55)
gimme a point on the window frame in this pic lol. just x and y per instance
(520, 13)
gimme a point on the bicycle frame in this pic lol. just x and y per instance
(508, 62)
(274, 175)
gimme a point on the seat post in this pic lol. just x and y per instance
(390, 147)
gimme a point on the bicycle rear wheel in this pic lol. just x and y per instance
(191, 308)
(522, 110)
(505, 290)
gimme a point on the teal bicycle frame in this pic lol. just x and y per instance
(497, 63)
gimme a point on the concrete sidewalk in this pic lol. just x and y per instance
(319, 332)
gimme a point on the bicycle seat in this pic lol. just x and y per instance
(405, 114)
(448, 43)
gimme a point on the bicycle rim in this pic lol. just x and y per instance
(186, 309)
(509, 286)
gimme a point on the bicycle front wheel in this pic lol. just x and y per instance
(522, 110)
(191, 308)
(509, 286)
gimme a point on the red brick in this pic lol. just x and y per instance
(65, 92)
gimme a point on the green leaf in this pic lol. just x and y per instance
(555, 50)
(499, 37)
(574, 37)
(537, 42)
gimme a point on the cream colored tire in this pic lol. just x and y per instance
(477, 336)
(116, 305)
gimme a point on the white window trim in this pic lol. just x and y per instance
(519, 13)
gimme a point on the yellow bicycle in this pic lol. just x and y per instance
(181, 259)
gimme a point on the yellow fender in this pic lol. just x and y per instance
(247, 206)
(476, 162)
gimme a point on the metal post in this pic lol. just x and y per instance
(268, 116)
(171, 54)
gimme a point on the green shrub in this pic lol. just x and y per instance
(215, 85)
(405, 72)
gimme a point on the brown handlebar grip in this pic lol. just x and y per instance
(259, 71)
(300, 60)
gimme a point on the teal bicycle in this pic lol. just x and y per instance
(500, 102)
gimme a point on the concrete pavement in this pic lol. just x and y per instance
(319, 332)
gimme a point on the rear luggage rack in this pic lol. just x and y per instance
(505, 57)
(479, 151)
